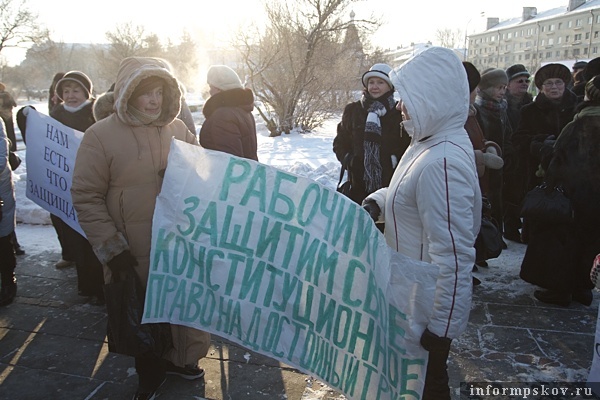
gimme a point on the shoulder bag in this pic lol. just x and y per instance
(548, 205)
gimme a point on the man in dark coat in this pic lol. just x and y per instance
(229, 125)
(514, 183)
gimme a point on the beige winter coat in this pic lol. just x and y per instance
(118, 175)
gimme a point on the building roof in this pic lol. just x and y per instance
(543, 16)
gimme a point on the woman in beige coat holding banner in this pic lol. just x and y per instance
(117, 176)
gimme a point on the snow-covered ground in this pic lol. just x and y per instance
(309, 155)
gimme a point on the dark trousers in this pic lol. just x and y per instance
(10, 133)
(8, 260)
(437, 382)
(90, 277)
(150, 372)
(76, 248)
(61, 231)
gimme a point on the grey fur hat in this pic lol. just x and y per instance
(493, 77)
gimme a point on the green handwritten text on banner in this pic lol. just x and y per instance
(287, 268)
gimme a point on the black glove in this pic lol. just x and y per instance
(434, 343)
(372, 208)
(122, 262)
(22, 122)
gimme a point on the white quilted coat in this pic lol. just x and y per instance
(432, 208)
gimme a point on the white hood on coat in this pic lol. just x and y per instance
(432, 207)
(419, 82)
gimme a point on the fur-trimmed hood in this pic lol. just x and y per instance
(131, 72)
(243, 98)
(104, 105)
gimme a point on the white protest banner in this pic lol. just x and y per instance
(290, 269)
(50, 157)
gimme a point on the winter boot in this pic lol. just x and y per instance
(8, 290)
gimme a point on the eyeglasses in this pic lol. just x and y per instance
(558, 83)
(523, 81)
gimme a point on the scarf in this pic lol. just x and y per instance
(488, 103)
(142, 116)
(376, 109)
(75, 109)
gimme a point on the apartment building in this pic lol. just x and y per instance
(564, 34)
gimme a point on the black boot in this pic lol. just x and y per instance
(583, 296)
(553, 297)
(8, 290)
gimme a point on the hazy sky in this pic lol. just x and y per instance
(404, 21)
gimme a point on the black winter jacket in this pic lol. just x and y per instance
(230, 125)
(350, 140)
(79, 120)
(539, 120)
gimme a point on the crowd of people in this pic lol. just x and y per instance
(421, 166)
(431, 205)
(114, 193)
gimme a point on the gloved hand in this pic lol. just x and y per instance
(122, 262)
(372, 208)
(432, 342)
(492, 161)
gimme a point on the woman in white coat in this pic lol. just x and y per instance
(432, 208)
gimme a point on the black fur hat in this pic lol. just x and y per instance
(592, 89)
(517, 70)
(553, 70)
(473, 75)
(591, 69)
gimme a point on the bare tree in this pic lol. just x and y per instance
(297, 65)
(183, 59)
(449, 38)
(18, 25)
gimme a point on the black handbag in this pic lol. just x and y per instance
(548, 205)
(127, 335)
(488, 243)
(346, 187)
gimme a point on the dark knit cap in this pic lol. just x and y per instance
(74, 76)
(580, 65)
(493, 77)
(591, 69)
(517, 70)
(146, 85)
(473, 75)
(550, 71)
(592, 89)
